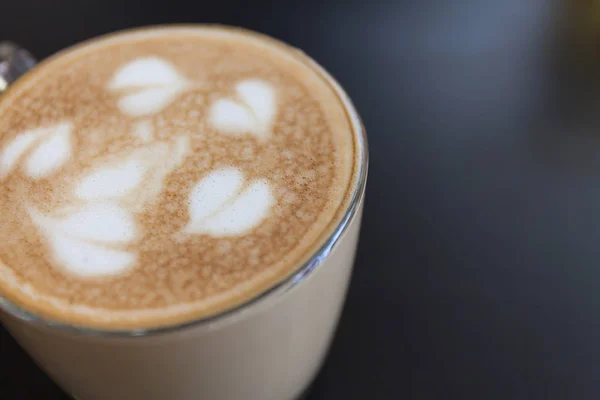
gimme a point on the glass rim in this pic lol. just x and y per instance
(271, 294)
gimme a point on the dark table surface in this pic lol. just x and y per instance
(478, 272)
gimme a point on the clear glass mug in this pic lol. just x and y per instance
(269, 348)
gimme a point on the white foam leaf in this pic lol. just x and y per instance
(231, 117)
(148, 101)
(12, 152)
(81, 242)
(156, 84)
(260, 98)
(249, 209)
(252, 113)
(218, 208)
(210, 194)
(147, 71)
(100, 222)
(112, 181)
(90, 260)
(51, 153)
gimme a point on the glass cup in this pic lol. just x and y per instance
(269, 348)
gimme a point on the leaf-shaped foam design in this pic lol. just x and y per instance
(83, 242)
(247, 211)
(252, 112)
(211, 193)
(51, 153)
(146, 71)
(12, 152)
(231, 117)
(155, 83)
(148, 101)
(112, 181)
(218, 206)
(101, 223)
(260, 97)
(90, 260)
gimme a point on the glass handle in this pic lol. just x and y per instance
(14, 62)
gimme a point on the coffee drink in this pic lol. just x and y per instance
(165, 175)
(179, 213)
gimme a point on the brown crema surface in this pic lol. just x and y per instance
(308, 160)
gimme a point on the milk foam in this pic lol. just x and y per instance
(180, 181)
(144, 131)
(82, 241)
(112, 181)
(252, 112)
(50, 148)
(155, 83)
(106, 201)
(221, 205)
(15, 150)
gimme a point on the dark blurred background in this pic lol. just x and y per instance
(478, 272)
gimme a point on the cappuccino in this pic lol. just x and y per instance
(161, 176)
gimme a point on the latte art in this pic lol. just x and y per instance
(159, 176)
(252, 112)
(149, 84)
(220, 205)
(105, 203)
(86, 242)
(48, 149)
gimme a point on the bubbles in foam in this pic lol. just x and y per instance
(220, 204)
(252, 112)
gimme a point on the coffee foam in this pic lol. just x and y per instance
(161, 175)
(219, 205)
(53, 149)
(253, 110)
